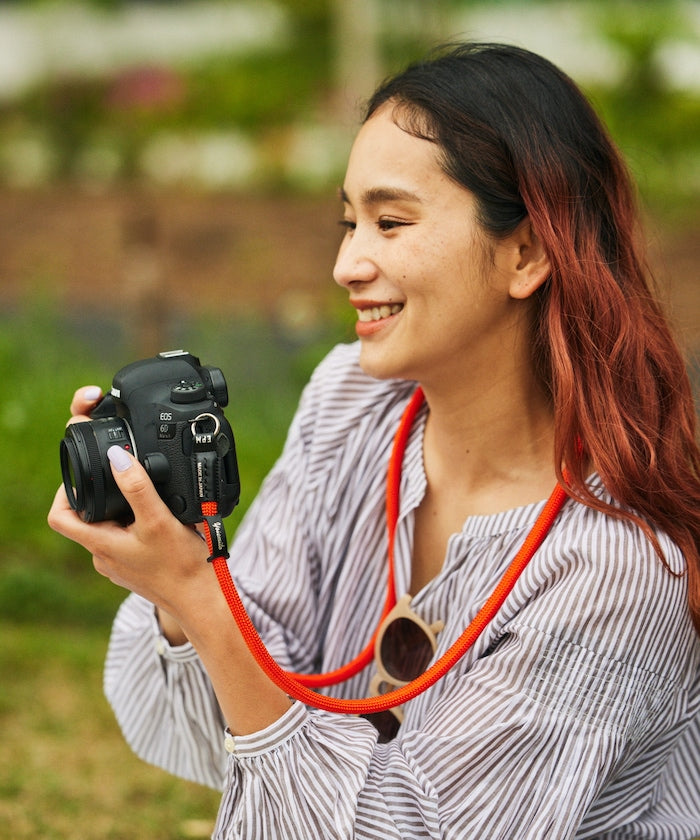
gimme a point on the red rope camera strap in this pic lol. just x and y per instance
(299, 686)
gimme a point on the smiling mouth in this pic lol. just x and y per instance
(377, 313)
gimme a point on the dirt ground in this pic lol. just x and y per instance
(222, 253)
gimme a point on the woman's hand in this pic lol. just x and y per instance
(84, 401)
(165, 562)
(156, 556)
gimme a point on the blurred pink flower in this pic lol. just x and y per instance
(146, 88)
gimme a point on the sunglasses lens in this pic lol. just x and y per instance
(385, 723)
(405, 650)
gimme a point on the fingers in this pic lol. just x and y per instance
(155, 556)
(93, 537)
(151, 514)
(65, 521)
(61, 516)
(84, 400)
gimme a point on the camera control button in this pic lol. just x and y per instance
(157, 466)
(188, 392)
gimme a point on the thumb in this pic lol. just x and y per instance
(134, 483)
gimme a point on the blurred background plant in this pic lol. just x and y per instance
(167, 178)
(227, 94)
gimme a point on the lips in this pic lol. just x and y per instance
(377, 313)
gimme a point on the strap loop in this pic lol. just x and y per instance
(214, 532)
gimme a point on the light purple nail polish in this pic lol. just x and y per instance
(92, 393)
(119, 459)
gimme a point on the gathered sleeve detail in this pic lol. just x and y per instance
(299, 778)
(162, 697)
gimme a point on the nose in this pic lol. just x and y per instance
(353, 263)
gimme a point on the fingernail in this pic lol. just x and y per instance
(119, 459)
(92, 393)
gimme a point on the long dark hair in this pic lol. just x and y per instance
(519, 134)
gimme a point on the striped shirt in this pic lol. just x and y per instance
(576, 714)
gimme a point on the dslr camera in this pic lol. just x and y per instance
(166, 411)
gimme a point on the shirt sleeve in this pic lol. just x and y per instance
(507, 765)
(161, 695)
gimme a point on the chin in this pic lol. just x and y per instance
(378, 365)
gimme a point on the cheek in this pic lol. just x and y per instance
(426, 268)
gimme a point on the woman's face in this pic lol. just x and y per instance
(431, 298)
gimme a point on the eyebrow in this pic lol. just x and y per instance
(379, 195)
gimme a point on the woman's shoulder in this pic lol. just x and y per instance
(602, 534)
(340, 376)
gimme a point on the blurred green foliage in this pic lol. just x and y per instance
(656, 126)
(42, 357)
(51, 680)
(263, 92)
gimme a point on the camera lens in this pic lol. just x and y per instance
(87, 476)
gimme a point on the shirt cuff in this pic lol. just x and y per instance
(273, 736)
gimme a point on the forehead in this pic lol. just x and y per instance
(384, 159)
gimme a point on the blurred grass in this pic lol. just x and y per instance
(65, 771)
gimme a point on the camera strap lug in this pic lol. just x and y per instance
(209, 447)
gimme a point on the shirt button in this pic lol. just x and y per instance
(160, 646)
(230, 743)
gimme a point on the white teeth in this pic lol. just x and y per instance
(376, 313)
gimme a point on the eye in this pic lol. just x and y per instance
(347, 224)
(386, 224)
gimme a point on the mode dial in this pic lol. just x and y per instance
(188, 391)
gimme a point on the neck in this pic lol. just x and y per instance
(491, 442)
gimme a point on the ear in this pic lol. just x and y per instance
(530, 264)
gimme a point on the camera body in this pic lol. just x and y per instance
(167, 411)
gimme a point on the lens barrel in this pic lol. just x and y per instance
(87, 475)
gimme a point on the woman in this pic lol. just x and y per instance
(491, 254)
